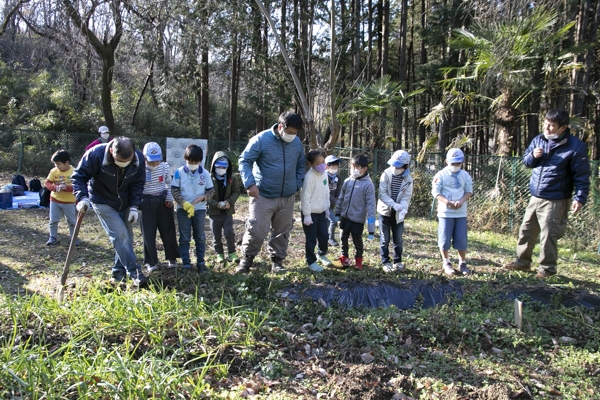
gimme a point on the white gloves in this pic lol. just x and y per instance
(133, 215)
(308, 220)
(402, 214)
(83, 204)
(397, 207)
(60, 188)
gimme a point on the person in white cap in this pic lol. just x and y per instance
(103, 137)
(395, 192)
(157, 210)
(335, 187)
(452, 187)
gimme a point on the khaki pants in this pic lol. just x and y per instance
(548, 219)
(274, 215)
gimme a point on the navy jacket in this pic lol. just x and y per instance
(98, 168)
(560, 170)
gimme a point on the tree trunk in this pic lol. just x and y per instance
(335, 126)
(504, 118)
(235, 81)
(385, 40)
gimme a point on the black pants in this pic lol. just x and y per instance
(355, 229)
(317, 232)
(222, 225)
(156, 215)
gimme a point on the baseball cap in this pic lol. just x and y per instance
(399, 158)
(221, 162)
(455, 156)
(103, 129)
(331, 159)
(152, 152)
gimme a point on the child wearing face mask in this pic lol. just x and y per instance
(452, 187)
(356, 204)
(103, 137)
(192, 188)
(395, 192)
(335, 186)
(157, 210)
(314, 204)
(221, 206)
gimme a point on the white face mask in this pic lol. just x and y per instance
(192, 167)
(398, 171)
(221, 171)
(356, 173)
(122, 164)
(287, 137)
(454, 168)
(151, 167)
(549, 137)
(333, 171)
(104, 136)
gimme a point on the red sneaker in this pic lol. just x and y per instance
(358, 264)
(346, 262)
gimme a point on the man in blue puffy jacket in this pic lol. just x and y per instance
(560, 165)
(110, 178)
(272, 171)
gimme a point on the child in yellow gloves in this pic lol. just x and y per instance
(192, 187)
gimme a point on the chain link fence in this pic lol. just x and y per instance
(501, 184)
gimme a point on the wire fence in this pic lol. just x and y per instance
(500, 184)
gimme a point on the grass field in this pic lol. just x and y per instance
(217, 335)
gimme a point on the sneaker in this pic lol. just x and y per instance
(346, 262)
(52, 241)
(220, 258)
(387, 267)
(399, 267)
(172, 264)
(314, 267)
(138, 278)
(186, 267)
(358, 263)
(517, 266)
(464, 269)
(151, 268)
(448, 270)
(233, 258)
(202, 268)
(118, 277)
(544, 274)
(333, 242)
(245, 265)
(324, 260)
(277, 266)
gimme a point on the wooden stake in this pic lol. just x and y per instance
(519, 314)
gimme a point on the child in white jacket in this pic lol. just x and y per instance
(395, 192)
(314, 206)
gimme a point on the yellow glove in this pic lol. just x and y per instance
(189, 207)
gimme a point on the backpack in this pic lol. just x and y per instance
(44, 197)
(19, 180)
(35, 185)
(17, 190)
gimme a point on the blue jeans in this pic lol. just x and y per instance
(120, 234)
(387, 224)
(187, 227)
(333, 220)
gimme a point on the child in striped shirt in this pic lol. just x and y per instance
(157, 210)
(395, 192)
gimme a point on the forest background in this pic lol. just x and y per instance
(380, 74)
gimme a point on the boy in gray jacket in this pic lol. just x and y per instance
(355, 203)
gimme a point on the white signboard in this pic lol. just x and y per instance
(176, 149)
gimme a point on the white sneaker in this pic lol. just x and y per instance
(172, 264)
(399, 267)
(325, 261)
(151, 268)
(464, 269)
(448, 270)
(387, 267)
(315, 267)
